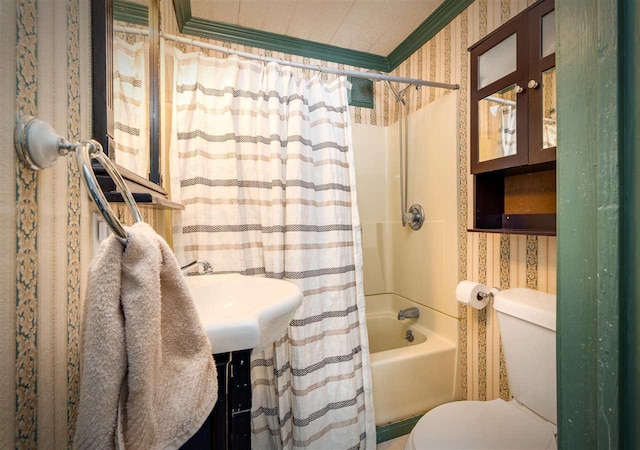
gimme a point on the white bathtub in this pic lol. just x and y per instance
(410, 378)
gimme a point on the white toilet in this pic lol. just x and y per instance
(527, 321)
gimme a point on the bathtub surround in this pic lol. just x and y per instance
(500, 260)
(262, 160)
(418, 265)
(144, 350)
(405, 268)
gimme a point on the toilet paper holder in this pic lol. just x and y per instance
(483, 295)
(476, 295)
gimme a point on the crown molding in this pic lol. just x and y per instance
(136, 13)
(442, 16)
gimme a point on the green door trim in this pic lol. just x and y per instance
(629, 54)
(598, 217)
(444, 14)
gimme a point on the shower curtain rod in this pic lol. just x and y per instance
(353, 73)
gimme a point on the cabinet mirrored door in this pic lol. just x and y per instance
(542, 83)
(549, 124)
(513, 93)
(498, 99)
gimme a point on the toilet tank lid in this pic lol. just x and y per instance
(526, 304)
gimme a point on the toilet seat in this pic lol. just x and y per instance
(476, 425)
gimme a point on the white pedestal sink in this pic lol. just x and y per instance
(240, 312)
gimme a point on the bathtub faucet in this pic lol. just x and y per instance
(206, 267)
(409, 313)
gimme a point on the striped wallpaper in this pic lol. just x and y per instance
(45, 244)
(40, 374)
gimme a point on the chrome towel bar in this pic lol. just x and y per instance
(38, 147)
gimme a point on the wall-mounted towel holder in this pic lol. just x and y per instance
(39, 146)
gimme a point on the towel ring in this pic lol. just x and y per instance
(38, 147)
(87, 150)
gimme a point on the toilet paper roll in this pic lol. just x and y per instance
(467, 293)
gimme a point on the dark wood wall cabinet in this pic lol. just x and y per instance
(513, 124)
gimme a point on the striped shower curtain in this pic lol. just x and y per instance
(262, 160)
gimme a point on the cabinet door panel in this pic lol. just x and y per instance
(498, 106)
(541, 84)
(498, 62)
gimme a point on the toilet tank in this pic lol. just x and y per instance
(527, 321)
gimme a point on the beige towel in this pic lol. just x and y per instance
(148, 380)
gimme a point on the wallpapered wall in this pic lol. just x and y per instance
(45, 244)
(41, 222)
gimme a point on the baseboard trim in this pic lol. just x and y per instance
(396, 429)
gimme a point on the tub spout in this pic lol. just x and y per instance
(206, 267)
(409, 313)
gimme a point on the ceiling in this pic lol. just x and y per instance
(372, 26)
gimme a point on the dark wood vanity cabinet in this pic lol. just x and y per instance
(229, 424)
(513, 124)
